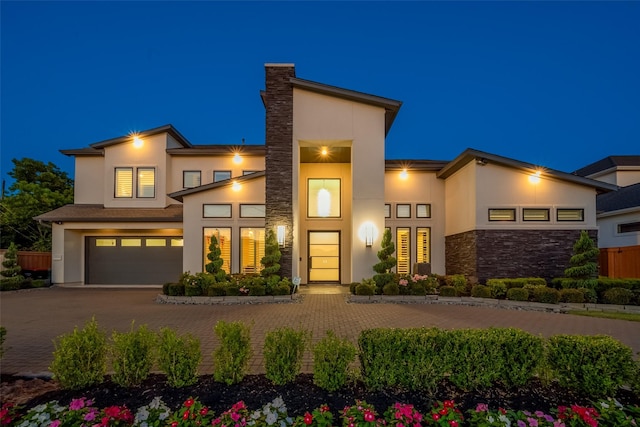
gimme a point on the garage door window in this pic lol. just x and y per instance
(131, 242)
(155, 242)
(105, 242)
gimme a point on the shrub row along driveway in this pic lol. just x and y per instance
(34, 318)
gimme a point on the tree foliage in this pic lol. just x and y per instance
(37, 188)
(387, 261)
(583, 265)
(214, 266)
(10, 262)
(272, 255)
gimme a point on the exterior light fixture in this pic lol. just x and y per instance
(137, 142)
(280, 234)
(368, 235)
(535, 178)
(237, 159)
(481, 161)
(324, 151)
(404, 174)
(236, 186)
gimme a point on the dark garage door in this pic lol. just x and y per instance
(146, 260)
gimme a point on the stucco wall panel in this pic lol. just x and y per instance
(89, 179)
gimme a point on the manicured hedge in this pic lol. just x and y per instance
(518, 282)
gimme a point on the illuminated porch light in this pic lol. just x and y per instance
(237, 159)
(368, 233)
(280, 234)
(324, 151)
(137, 142)
(535, 178)
(404, 174)
(236, 186)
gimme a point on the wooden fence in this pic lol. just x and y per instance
(31, 261)
(620, 263)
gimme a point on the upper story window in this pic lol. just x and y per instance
(423, 211)
(252, 211)
(387, 210)
(502, 214)
(216, 211)
(630, 227)
(221, 175)
(124, 182)
(570, 214)
(146, 183)
(248, 172)
(323, 198)
(535, 214)
(191, 179)
(403, 211)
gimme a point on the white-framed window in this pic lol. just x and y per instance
(221, 175)
(252, 211)
(124, 182)
(403, 243)
(223, 235)
(403, 211)
(423, 210)
(563, 214)
(423, 244)
(146, 183)
(502, 214)
(191, 179)
(323, 198)
(387, 210)
(216, 211)
(535, 214)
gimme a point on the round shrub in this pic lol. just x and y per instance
(365, 289)
(619, 296)
(546, 295)
(352, 287)
(281, 289)
(192, 290)
(257, 290)
(590, 295)
(176, 289)
(481, 291)
(417, 288)
(391, 289)
(447, 291)
(165, 288)
(233, 290)
(571, 296)
(518, 294)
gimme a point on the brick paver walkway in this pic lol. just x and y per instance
(34, 318)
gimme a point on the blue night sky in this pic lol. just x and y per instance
(552, 83)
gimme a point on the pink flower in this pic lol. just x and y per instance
(368, 416)
(453, 423)
(56, 423)
(189, 402)
(76, 404)
(435, 417)
(482, 407)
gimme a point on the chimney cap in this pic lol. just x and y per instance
(276, 64)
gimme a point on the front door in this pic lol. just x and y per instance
(324, 256)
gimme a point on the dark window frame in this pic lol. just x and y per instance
(204, 205)
(428, 208)
(398, 205)
(221, 171)
(513, 210)
(252, 204)
(184, 175)
(138, 196)
(339, 198)
(581, 210)
(115, 181)
(524, 216)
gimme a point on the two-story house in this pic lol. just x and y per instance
(146, 205)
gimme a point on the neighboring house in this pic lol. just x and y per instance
(618, 215)
(146, 205)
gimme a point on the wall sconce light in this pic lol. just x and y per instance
(236, 186)
(137, 142)
(324, 151)
(404, 174)
(280, 234)
(237, 159)
(368, 235)
(535, 178)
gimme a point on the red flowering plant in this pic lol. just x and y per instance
(8, 413)
(192, 413)
(361, 414)
(403, 415)
(445, 414)
(319, 417)
(237, 416)
(578, 416)
(115, 416)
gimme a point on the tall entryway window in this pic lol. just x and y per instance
(251, 249)
(403, 258)
(324, 256)
(223, 235)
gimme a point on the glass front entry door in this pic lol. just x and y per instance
(324, 256)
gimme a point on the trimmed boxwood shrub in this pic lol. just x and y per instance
(257, 290)
(233, 289)
(518, 282)
(518, 294)
(176, 289)
(619, 296)
(481, 291)
(391, 289)
(571, 296)
(594, 365)
(546, 295)
(281, 289)
(447, 291)
(352, 287)
(218, 289)
(331, 359)
(365, 289)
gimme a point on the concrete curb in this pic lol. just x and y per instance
(229, 300)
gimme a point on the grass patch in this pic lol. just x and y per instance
(634, 317)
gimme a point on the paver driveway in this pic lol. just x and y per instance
(34, 318)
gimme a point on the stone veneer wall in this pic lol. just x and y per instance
(487, 254)
(279, 156)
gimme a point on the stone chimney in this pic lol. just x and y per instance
(278, 99)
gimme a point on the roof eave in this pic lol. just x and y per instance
(179, 195)
(169, 129)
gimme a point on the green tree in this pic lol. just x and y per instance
(272, 256)
(387, 261)
(37, 188)
(214, 266)
(583, 266)
(10, 263)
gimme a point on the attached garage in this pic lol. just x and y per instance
(132, 260)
